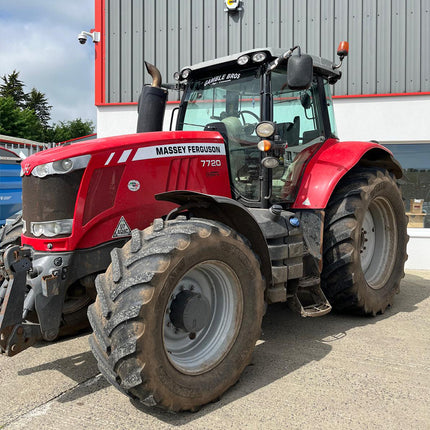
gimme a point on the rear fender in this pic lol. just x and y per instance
(228, 212)
(333, 161)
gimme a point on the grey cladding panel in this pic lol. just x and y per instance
(341, 33)
(355, 58)
(425, 51)
(398, 46)
(114, 53)
(413, 51)
(137, 50)
(313, 23)
(172, 39)
(383, 48)
(328, 44)
(209, 30)
(248, 28)
(369, 18)
(273, 23)
(126, 51)
(388, 39)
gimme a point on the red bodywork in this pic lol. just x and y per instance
(325, 169)
(125, 173)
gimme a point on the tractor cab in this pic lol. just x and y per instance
(269, 106)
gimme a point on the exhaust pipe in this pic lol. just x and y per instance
(152, 103)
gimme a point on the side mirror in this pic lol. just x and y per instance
(299, 72)
(305, 100)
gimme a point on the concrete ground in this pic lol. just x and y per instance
(333, 372)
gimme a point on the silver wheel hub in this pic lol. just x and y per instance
(202, 317)
(189, 311)
(378, 242)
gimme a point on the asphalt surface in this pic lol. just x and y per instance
(333, 372)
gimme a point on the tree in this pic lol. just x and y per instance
(13, 87)
(19, 122)
(39, 104)
(27, 115)
(66, 130)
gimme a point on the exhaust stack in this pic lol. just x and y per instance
(152, 103)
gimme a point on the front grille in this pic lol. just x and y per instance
(50, 198)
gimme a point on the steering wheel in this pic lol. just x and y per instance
(249, 112)
(248, 128)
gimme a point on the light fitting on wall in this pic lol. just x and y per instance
(232, 5)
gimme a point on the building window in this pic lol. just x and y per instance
(415, 161)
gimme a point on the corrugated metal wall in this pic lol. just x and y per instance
(389, 39)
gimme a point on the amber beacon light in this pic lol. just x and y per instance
(342, 52)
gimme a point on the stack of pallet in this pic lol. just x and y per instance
(416, 214)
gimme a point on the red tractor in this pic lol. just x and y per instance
(183, 237)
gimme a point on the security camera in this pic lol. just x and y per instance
(82, 38)
(83, 35)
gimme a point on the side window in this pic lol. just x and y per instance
(295, 112)
(330, 109)
(299, 124)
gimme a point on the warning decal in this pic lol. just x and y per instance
(122, 229)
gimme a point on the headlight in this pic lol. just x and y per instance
(270, 162)
(52, 228)
(265, 129)
(61, 167)
(244, 59)
(185, 73)
(259, 57)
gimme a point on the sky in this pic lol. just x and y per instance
(38, 38)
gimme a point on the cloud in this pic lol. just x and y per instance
(39, 39)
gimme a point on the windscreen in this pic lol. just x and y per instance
(230, 102)
(220, 96)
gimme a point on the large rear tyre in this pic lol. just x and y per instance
(178, 313)
(364, 242)
(74, 317)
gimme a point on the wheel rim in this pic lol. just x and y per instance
(378, 242)
(216, 289)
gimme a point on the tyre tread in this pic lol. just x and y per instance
(123, 296)
(339, 278)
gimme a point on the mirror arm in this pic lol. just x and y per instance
(282, 58)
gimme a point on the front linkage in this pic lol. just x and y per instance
(32, 283)
(15, 334)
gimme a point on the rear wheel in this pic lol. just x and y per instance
(364, 242)
(74, 317)
(178, 313)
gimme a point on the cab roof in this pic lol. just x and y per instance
(321, 65)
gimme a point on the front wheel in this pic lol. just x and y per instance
(364, 242)
(178, 313)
